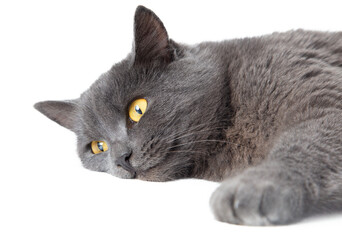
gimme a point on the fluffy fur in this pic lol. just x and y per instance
(263, 115)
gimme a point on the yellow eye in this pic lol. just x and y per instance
(137, 109)
(98, 146)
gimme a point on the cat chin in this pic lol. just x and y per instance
(120, 173)
(153, 175)
(151, 178)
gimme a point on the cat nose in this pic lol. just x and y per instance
(123, 161)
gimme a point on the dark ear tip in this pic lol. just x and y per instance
(141, 9)
(38, 106)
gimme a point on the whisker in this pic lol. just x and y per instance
(209, 140)
(193, 128)
(188, 151)
(197, 132)
(166, 126)
(197, 126)
(186, 133)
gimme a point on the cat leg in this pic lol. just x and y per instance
(301, 176)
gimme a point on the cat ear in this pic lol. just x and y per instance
(62, 112)
(151, 42)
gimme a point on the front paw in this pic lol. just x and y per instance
(258, 201)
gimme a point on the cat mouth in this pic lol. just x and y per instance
(127, 166)
(152, 173)
(150, 176)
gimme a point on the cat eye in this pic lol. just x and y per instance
(98, 146)
(137, 109)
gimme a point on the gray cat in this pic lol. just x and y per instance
(263, 115)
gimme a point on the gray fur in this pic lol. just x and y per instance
(263, 115)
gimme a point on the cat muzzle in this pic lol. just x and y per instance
(123, 162)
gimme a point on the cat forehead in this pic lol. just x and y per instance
(115, 89)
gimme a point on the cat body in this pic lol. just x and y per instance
(263, 115)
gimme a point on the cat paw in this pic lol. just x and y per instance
(257, 201)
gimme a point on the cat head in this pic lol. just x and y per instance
(154, 116)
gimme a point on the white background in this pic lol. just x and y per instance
(54, 50)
